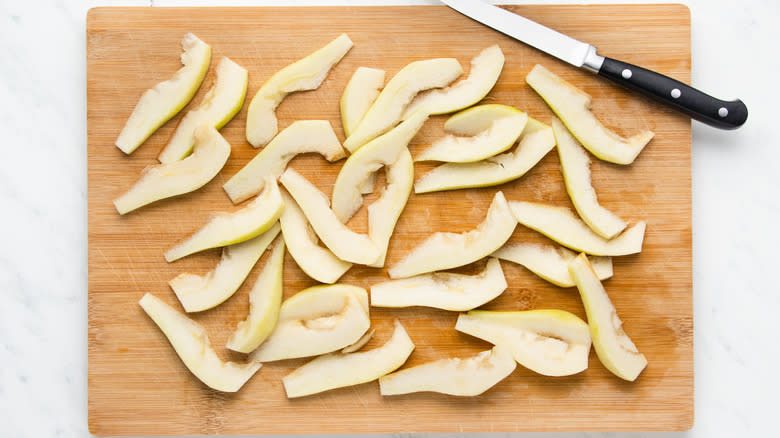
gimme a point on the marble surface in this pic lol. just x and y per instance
(43, 243)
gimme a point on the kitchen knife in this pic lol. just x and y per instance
(698, 105)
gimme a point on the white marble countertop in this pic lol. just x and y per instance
(43, 241)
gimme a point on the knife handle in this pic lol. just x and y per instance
(698, 105)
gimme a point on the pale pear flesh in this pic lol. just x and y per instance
(551, 262)
(360, 343)
(210, 154)
(191, 343)
(361, 91)
(223, 101)
(163, 101)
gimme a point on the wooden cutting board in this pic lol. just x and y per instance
(138, 386)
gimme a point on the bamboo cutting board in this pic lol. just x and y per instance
(137, 385)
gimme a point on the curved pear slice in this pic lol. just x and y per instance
(460, 377)
(389, 105)
(162, 181)
(302, 75)
(442, 290)
(383, 213)
(163, 101)
(535, 142)
(613, 346)
(192, 344)
(197, 293)
(361, 91)
(449, 250)
(221, 103)
(337, 370)
(317, 262)
(228, 228)
(346, 244)
(549, 342)
(381, 151)
(551, 262)
(491, 129)
(572, 105)
(316, 321)
(575, 167)
(301, 137)
(560, 225)
(265, 298)
(485, 69)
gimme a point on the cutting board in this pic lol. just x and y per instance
(138, 386)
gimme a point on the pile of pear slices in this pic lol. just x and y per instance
(332, 321)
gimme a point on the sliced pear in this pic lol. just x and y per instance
(221, 103)
(316, 321)
(301, 137)
(560, 225)
(460, 377)
(551, 262)
(484, 139)
(535, 142)
(162, 181)
(346, 244)
(442, 290)
(163, 101)
(575, 167)
(304, 74)
(449, 250)
(265, 298)
(192, 344)
(615, 349)
(317, 262)
(197, 293)
(381, 151)
(485, 70)
(337, 370)
(572, 105)
(549, 342)
(224, 229)
(361, 91)
(386, 110)
(383, 213)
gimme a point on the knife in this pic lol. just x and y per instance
(684, 98)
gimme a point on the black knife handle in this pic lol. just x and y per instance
(698, 105)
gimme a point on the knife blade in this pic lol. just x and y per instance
(680, 96)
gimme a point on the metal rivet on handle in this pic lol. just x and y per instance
(676, 93)
(723, 112)
(626, 74)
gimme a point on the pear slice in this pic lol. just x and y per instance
(490, 129)
(301, 137)
(346, 244)
(560, 225)
(265, 298)
(386, 110)
(442, 290)
(613, 346)
(317, 262)
(551, 262)
(162, 181)
(483, 75)
(383, 213)
(192, 344)
(536, 141)
(224, 229)
(449, 250)
(459, 377)
(302, 75)
(575, 167)
(219, 105)
(381, 151)
(572, 105)
(361, 91)
(549, 342)
(316, 321)
(163, 101)
(198, 293)
(337, 370)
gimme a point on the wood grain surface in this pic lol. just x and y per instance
(138, 386)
